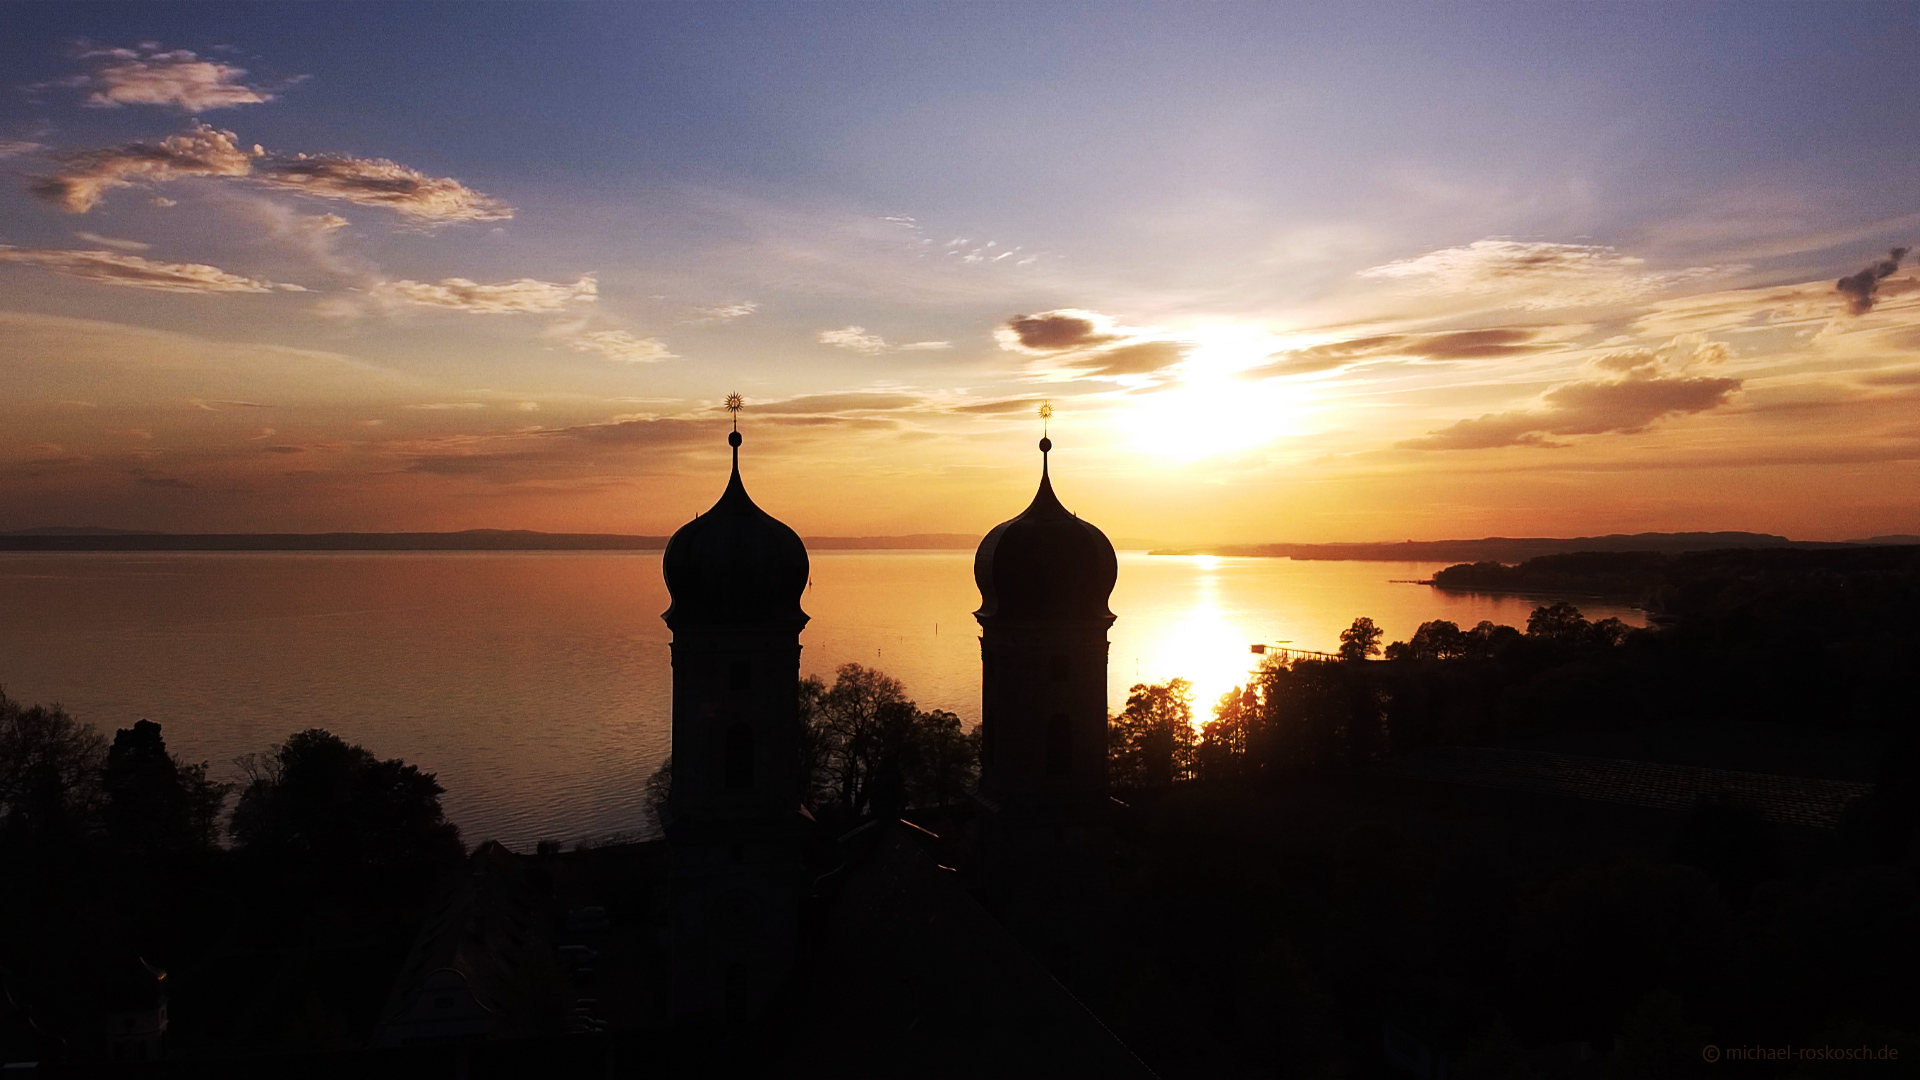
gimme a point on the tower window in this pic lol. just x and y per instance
(1061, 668)
(740, 674)
(1059, 745)
(739, 757)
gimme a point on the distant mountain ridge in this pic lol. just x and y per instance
(95, 538)
(1520, 549)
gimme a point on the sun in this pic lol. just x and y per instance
(1216, 402)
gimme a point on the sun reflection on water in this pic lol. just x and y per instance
(1198, 639)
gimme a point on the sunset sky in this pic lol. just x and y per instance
(1317, 272)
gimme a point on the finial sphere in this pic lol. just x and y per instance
(1046, 444)
(733, 438)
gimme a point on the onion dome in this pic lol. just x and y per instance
(736, 563)
(1046, 564)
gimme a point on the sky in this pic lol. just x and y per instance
(1284, 272)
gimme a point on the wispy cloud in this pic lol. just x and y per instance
(720, 313)
(1073, 343)
(852, 401)
(623, 346)
(85, 176)
(16, 147)
(521, 296)
(1653, 384)
(1495, 343)
(149, 75)
(1533, 275)
(382, 183)
(448, 406)
(855, 338)
(222, 406)
(112, 242)
(114, 268)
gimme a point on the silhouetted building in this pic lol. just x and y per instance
(734, 818)
(1044, 579)
(1046, 843)
(465, 977)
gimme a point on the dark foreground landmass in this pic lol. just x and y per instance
(1518, 548)
(96, 539)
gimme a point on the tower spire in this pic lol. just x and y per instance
(734, 404)
(1046, 444)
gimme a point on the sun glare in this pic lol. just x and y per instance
(1212, 408)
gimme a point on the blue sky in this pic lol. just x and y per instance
(1286, 271)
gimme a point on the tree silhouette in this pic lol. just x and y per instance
(49, 773)
(1361, 640)
(870, 748)
(1558, 622)
(1152, 742)
(318, 795)
(155, 802)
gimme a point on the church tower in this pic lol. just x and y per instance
(1044, 579)
(734, 822)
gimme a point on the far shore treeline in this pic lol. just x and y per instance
(1503, 548)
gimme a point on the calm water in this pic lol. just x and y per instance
(536, 683)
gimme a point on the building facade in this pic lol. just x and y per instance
(734, 818)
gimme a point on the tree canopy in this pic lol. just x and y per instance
(316, 794)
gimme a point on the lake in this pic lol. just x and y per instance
(535, 684)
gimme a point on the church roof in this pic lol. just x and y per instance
(1045, 564)
(736, 563)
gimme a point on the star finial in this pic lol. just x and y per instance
(734, 404)
(1046, 444)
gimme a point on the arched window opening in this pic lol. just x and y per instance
(739, 757)
(1059, 746)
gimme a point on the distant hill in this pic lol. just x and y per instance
(93, 538)
(1517, 549)
(931, 541)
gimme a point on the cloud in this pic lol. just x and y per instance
(1056, 331)
(1447, 346)
(1519, 274)
(817, 404)
(86, 176)
(16, 147)
(1859, 289)
(623, 346)
(448, 406)
(925, 346)
(204, 151)
(108, 241)
(1140, 358)
(521, 296)
(988, 408)
(382, 183)
(312, 236)
(113, 268)
(719, 313)
(855, 338)
(1585, 408)
(148, 76)
(222, 406)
